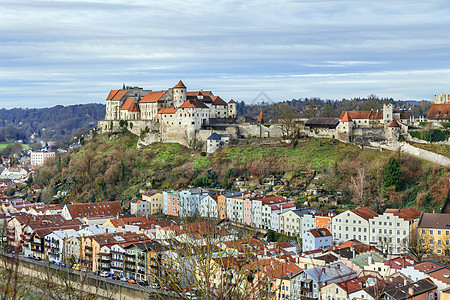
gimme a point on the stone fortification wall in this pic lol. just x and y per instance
(138, 125)
(260, 131)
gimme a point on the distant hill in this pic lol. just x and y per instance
(52, 123)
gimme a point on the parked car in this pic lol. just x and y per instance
(104, 274)
(132, 281)
(38, 258)
(190, 296)
(156, 285)
(115, 277)
(143, 283)
(57, 263)
(124, 279)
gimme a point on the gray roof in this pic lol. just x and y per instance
(429, 220)
(305, 211)
(337, 272)
(419, 287)
(322, 121)
(214, 136)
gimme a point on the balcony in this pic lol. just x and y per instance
(88, 254)
(88, 248)
(306, 289)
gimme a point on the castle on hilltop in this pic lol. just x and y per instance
(172, 115)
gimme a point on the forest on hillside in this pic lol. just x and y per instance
(53, 123)
(316, 107)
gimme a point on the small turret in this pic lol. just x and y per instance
(179, 94)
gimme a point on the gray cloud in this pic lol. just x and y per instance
(67, 52)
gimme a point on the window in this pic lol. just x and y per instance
(439, 232)
(431, 231)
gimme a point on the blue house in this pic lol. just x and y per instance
(317, 238)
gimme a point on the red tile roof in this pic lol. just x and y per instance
(397, 263)
(231, 101)
(320, 232)
(218, 101)
(119, 95)
(166, 111)
(196, 93)
(152, 97)
(262, 117)
(439, 112)
(111, 94)
(407, 214)
(135, 221)
(134, 108)
(95, 210)
(394, 124)
(368, 114)
(346, 117)
(364, 212)
(180, 84)
(127, 104)
(350, 286)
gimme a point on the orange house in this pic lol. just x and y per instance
(323, 220)
(222, 206)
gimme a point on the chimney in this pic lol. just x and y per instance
(403, 262)
(370, 259)
(410, 291)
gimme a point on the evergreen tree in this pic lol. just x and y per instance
(392, 173)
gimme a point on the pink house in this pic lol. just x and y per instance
(247, 206)
(173, 205)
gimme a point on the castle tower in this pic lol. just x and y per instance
(232, 110)
(345, 128)
(179, 94)
(388, 113)
(393, 131)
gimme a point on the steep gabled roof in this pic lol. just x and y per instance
(346, 117)
(231, 101)
(118, 95)
(134, 107)
(218, 101)
(112, 94)
(262, 117)
(439, 112)
(193, 104)
(320, 232)
(180, 84)
(152, 97)
(127, 104)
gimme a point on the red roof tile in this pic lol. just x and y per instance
(180, 84)
(218, 101)
(394, 124)
(134, 108)
(231, 101)
(119, 95)
(364, 212)
(192, 104)
(408, 213)
(127, 104)
(152, 97)
(262, 117)
(346, 117)
(166, 111)
(112, 94)
(95, 210)
(439, 112)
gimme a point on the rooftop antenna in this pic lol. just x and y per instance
(123, 87)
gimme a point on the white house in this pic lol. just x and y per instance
(353, 224)
(207, 207)
(390, 230)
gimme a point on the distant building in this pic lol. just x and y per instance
(217, 141)
(39, 158)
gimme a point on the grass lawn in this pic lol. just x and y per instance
(3, 145)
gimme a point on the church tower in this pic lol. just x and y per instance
(179, 94)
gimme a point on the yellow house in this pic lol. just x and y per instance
(445, 294)
(155, 200)
(434, 232)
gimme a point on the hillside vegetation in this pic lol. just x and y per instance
(110, 167)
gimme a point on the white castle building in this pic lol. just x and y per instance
(172, 115)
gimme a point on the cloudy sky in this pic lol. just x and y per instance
(75, 51)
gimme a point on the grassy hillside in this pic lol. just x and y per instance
(110, 167)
